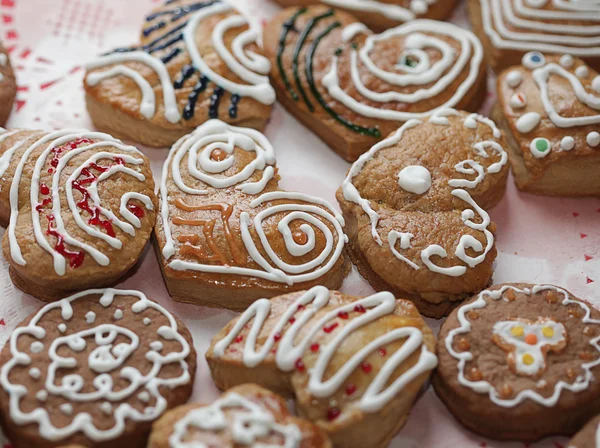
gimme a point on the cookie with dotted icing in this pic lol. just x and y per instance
(196, 60)
(227, 234)
(79, 207)
(353, 87)
(383, 14)
(520, 362)
(8, 85)
(246, 415)
(549, 107)
(68, 379)
(509, 29)
(588, 437)
(415, 209)
(352, 364)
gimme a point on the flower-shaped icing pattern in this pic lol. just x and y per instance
(224, 223)
(94, 367)
(527, 343)
(196, 60)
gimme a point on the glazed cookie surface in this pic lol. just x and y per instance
(196, 60)
(549, 107)
(520, 362)
(352, 364)
(383, 14)
(95, 370)
(588, 437)
(8, 85)
(228, 235)
(79, 207)
(352, 87)
(245, 415)
(511, 28)
(415, 209)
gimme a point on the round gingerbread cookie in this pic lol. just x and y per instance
(520, 362)
(94, 369)
(8, 86)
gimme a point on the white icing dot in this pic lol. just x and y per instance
(415, 179)
(540, 147)
(35, 373)
(147, 321)
(518, 101)
(62, 327)
(90, 317)
(596, 84)
(593, 139)
(42, 395)
(66, 408)
(582, 72)
(419, 6)
(106, 407)
(567, 143)
(144, 397)
(514, 78)
(36, 347)
(118, 314)
(533, 59)
(566, 60)
(527, 123)
(156, 346)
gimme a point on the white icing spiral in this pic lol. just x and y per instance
(389, 11)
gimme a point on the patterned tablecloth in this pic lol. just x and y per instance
(539, 239)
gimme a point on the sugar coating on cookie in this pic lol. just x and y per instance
(85, 384)
(522, 354)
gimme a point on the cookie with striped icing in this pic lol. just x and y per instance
(196, 60)
(79, 207)
(246, 415)
(8, 85)
(511, 28)
(227, 234)
(354, 365)
(383, 14)
(549, 108)
(415, 209)
(353, 87)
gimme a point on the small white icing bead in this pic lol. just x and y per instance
(596, 84)
(518, 101)
(593, 139)
(118, 314)
(36, 347)
(582, 72)
(90, 317)
(528, 122)
(415, 179)
(567, 143)
(566, 60)
(514, 79)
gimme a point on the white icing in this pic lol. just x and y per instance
(90, 317)
(514, 78)
(379, 392)
(484, 387)
(198, 147)
(440, 75)
(596, 84)
(528, 122)
(35, 373)
(352, 30)
(3, 59)
(566, 60)
(118, 315)
(106, 357)
(62, 327)
(415, 179)
(387, 10)
(582, 72)
(518, 101)
(147, 321)
(567, 143)
(536, 152)
(593, 139)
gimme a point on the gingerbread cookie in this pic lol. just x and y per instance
(94, 370)
(549, 107)
(196, 60)
(352, 364)
(381, 15)
(246, 415)
(511, 28)
(353, 87)
(227, 235)
(8, 86)
(79, 207)
(520, 362)
(588, 437)
(415, 209)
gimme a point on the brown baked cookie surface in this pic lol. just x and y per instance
(352, 364)
(415, 206)
(8, 85)
(196, 60)
(549, 107)
(246, 415)
(510, 28)
(520, 362)
(94, 370)
(383, 14)
(227, 234)
(79, 207)
(352, 87)
(588, 437)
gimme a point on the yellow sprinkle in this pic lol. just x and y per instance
(528, 359)
(517, 331)
(548, 332)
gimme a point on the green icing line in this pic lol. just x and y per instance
(288, 25)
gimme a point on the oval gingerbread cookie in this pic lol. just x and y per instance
(95, 370)
(79, 206)
(520, 362)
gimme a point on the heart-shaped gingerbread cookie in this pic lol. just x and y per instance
(227, 235)
(353, 88)
(197, 60)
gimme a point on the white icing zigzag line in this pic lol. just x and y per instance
(483, 387)
(377, 395)
(57, 139)
(416, 41)
(502, 37)
(215, 134)
(70, 385)
(250, 422)
(390, 11)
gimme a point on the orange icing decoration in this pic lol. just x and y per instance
(531, 339)
(300, 237)
(218, 155)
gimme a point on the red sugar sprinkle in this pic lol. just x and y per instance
(300, 365)
(367, 367)
(300, 307)
(277, 336)
(240, 338)
(314, 347)
(44, 189)
(333, 413)
(330, 328)
(350, 389)
(360, 309)
(292, 320)
(382, 351)
(343, 315)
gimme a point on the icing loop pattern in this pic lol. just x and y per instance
(105, 350)
(390, 11)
